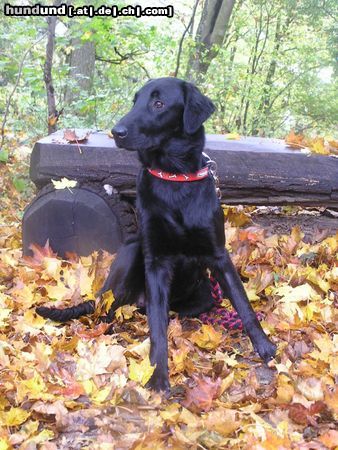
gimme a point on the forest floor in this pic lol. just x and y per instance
(73, 387)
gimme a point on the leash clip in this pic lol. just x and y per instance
(212, 165)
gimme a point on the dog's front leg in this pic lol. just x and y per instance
(158, 274)
(230, 282)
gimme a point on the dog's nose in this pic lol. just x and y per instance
(120, 131)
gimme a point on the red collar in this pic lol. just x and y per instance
(199, 175)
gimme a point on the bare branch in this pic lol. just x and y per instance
(180, 45)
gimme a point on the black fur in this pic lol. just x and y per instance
(181, 230)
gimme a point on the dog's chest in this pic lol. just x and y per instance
(178, 219)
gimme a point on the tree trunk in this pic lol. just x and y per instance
(82, 66)
(262, 34)
(209, 37)
(47, 72)
(265, 103)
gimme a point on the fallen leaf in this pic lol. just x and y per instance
(64, 183)
(330, 439)
(207, 337)
(14, 417)
(224, 421)
(71, 135)
(201, 396)
(140, 372)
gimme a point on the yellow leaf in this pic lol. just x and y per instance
(171, 413)
(64, 183)
(251, 293)
(85, 282)
(4, 403)
(235, 216)
(141, 349)
(222, 420)
(98, 358)
(42, 437)
(33, 319)
(316, 278)
(52, 267)
(23, 295)
(58, 292)
(331, 242)
(125, 312)
(14, 417)
(309, 311)
(189, 418)
(34, 388)
(101, 395)
(4, 445)
(89, 386)
(207, 337)
(317, 145)
(227, 382)
(86, 35)
(285, 389)
(290, 297)
(4, 315)
(179, 357)
(230, 360)
(107, 300)
(325, 345)
(284, 367)
(232, 136)
(140, 372)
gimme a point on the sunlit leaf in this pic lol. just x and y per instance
(140, 371)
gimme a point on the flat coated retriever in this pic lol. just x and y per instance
(181, 227)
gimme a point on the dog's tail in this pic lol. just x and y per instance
(63, 315)
(125, 279)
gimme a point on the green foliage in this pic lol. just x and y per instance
(20, 184)
(3, 156)
(276, 70)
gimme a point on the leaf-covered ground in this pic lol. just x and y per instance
(72, 386)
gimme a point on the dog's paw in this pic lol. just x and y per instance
(266, 349)
(159, 382)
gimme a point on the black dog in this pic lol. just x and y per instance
(181, 229)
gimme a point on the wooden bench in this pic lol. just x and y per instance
(99, 212)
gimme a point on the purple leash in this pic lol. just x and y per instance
(219, 314)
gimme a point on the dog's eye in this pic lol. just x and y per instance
(158, 104)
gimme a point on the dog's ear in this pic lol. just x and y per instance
(197, 109)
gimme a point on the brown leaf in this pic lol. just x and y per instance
(71, 136)
(294, 140)
(201, 396)
(39, 254)
(298, 413)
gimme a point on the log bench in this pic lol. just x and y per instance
(99, 211)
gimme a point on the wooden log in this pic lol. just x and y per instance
(78, 221)
(254, 171)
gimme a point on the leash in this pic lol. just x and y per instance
(219, 314)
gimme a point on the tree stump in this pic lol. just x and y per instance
(78, 220)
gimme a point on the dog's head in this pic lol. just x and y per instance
(163, 108)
